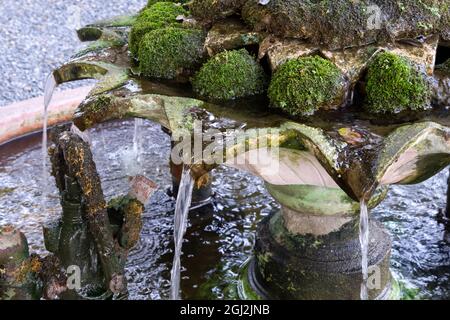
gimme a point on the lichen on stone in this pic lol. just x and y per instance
(394, 85)
(302, 86)
(158, 15)
(229, 75)
(168, 52)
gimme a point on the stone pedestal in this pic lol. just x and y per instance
(316, 254)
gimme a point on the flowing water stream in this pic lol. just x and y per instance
(180, 224)
(49, 88)
(137, 139)
(364, 241)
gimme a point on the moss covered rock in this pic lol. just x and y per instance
(215, 9)
(345, 23)
(229, 75)
(158, 15)
(394, 85)
(169, 52)
(304, 85)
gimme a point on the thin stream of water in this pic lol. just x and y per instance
(181, 218)
(364, 241)
(49, 88)
(137, 141)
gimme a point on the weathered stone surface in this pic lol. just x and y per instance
(308, 199)
(317, 225)
(110, 76)
(171, 112)
(210, 10)
(344, 23)
(279, 50)
(413, 153)
(230, 34)
(352, 61)
(423, 53)
(309, 267)
(441, 88)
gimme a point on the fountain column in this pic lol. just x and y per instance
(310, 249)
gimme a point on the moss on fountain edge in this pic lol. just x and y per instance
(158, 15)
(229, 75)
(302, 86)
(165, 53)
(395, 85)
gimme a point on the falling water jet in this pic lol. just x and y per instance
(137, 141)
(447, 211)
(180, 223)
(364, 241)
(49, 88)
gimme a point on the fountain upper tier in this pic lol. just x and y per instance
(344, 148)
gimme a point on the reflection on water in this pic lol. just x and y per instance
(219, 237)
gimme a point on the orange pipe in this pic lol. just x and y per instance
(26, 116)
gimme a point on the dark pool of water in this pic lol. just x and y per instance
(220, 237)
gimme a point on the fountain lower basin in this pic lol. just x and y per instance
(220, 240)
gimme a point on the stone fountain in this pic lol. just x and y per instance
(351, 109)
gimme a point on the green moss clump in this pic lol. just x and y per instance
(168, 52)
(304, 85)
(229, 75)
(159, 15)
(394, 85)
